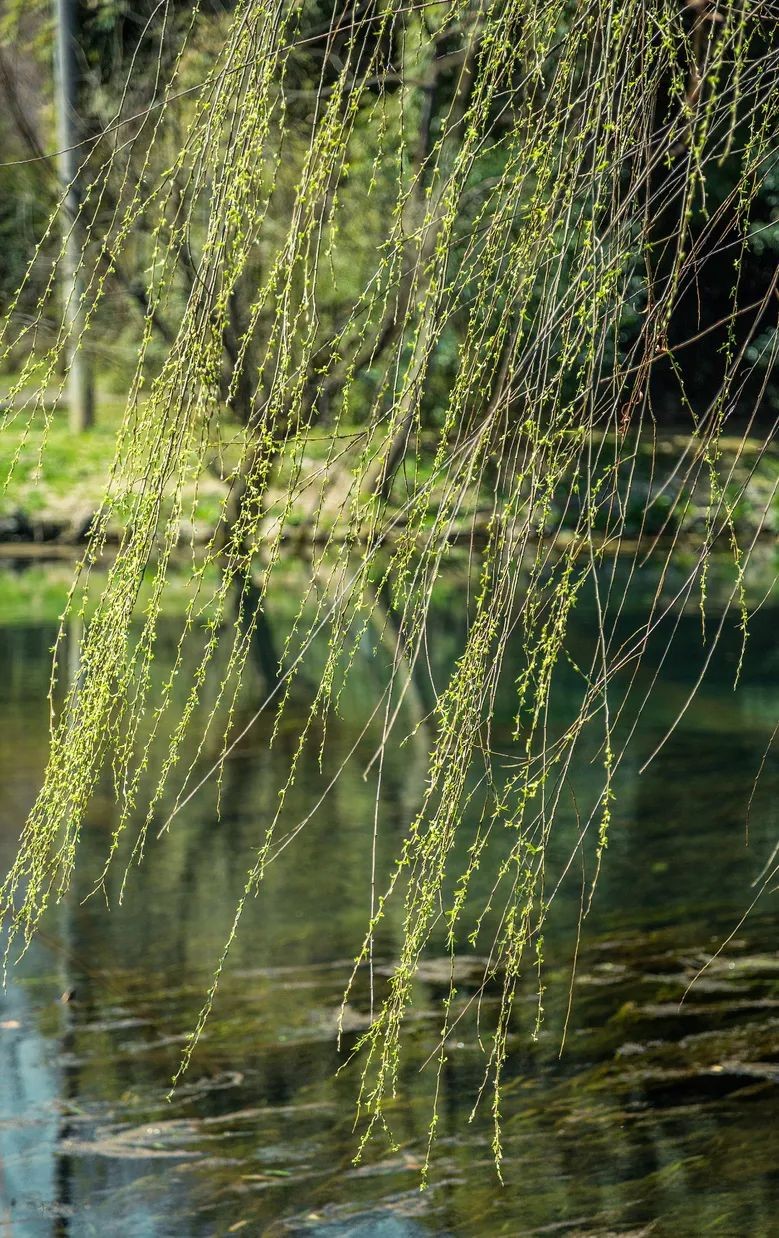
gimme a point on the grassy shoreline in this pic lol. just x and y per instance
(53, 483)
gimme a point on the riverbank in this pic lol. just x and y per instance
(54, 483)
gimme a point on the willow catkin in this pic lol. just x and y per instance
(522, 223)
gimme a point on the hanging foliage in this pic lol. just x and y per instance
(450, 239)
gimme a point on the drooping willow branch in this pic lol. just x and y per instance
(428, 253)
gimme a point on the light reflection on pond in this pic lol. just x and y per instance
(653, 1114)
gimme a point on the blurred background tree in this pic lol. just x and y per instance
(128, 50)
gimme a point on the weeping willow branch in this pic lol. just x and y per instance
(540, 173)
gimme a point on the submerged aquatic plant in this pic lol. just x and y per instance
(535, 182)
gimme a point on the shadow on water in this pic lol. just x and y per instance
(657, 1118)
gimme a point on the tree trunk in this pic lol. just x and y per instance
(80, 388)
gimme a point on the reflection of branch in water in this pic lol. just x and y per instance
(391, 635)
(252, 612)
(407, 690)
(413, 688)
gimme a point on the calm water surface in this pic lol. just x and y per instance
(657, 1118)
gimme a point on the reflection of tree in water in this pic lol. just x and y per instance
(680, 855)
(312, 906)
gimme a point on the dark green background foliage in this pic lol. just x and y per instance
(125, 47)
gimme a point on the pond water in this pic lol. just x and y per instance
(657, 1117)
